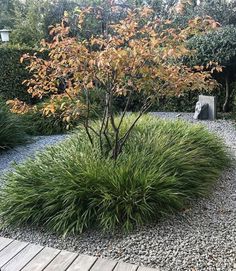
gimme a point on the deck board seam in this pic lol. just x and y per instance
(12, 240)
(93, 264)
(40, 248)
(31, 258)
(51, 259)
(15, 254)
(114, 266)
(71, 262)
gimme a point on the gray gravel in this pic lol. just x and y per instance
(201, 238)
(20, 153)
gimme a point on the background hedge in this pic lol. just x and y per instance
(184, 103)
(13, 73)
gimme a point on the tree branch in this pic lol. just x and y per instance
(123, 139)
(86, 123)
(125, 110)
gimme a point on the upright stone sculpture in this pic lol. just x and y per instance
(211, 101)
(201, 111)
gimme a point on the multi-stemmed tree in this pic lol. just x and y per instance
(141, 54)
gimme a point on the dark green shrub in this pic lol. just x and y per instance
(184, 103)
(70, 187)
(12, 130)
(13, 73)
(218, 46)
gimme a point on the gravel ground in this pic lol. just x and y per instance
(20, 153)
(201, 238)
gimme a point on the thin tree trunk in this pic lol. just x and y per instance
(227, 93)
(122, 140)
(86, 123)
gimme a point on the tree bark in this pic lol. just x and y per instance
(227, 93)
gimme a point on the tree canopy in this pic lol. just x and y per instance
(140, 56)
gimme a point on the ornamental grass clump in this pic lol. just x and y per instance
(12, 129)
(71, 187)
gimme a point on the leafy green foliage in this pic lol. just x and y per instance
(13, 73)
(55, 13)
(12, 130)
(28, 20)
(222, 11)
(218, 46)
(37, 124)
(186, 102)
(103, 12)
(70, 187)
(6, 13)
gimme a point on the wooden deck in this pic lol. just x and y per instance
(22, 256)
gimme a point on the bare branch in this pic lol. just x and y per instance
(86, 123)
(144, 108)
(125, 110)
(89, 135)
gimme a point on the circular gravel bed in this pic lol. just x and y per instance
(198, 239)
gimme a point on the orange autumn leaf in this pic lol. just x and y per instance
(135, 57)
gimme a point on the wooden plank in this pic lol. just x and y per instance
(82, 263)
(41, 260)
(104, 265)
(4, 242)
(10, 251)
(62, 261)
(125, 267)
(143, 268)
(22, 258)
